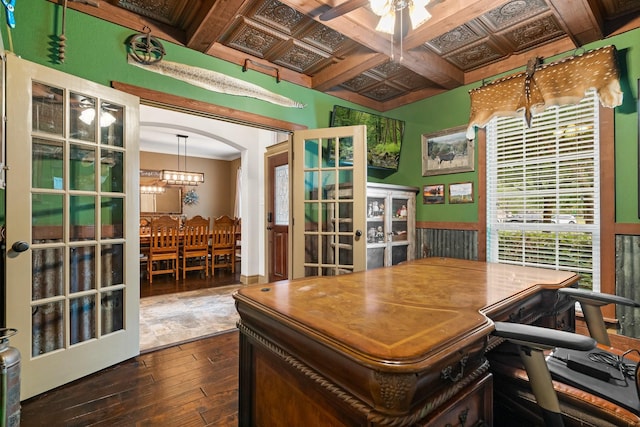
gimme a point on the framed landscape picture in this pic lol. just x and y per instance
(461, 193)
(433, 194)
(447, 151)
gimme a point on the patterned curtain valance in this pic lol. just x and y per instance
(541, 86)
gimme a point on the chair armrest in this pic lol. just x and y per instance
(542, 338)
(597, 298)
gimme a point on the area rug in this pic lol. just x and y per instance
(175, 318)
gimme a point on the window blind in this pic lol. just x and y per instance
(543, 190)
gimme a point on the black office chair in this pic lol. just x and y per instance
(596, 386)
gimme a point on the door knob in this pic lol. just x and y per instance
(358, 233)
(20, 246)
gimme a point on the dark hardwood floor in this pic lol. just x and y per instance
(193, 384)
(167, 284)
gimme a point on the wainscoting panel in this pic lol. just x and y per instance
(628, 282)
(462, 244)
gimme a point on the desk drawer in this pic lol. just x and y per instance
(473, 406)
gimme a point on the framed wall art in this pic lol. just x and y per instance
(461, 193)
(447, 151)
(433, 194)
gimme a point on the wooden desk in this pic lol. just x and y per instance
(402, 345)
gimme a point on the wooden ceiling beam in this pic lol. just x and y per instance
(583, 22)
(414, 96)
(356, 98)
(123, 17)
(514, 62)
(354, 65)
(212, 20)
(448, 15)
(221, 51)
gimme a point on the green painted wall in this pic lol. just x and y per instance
(451, 109)
(96, 51)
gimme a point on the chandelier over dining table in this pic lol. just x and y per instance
(182, 177)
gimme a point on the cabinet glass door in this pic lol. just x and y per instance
(399, 230)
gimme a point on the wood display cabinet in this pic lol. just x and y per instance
(391, 224)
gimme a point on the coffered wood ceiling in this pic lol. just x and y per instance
(465, 41)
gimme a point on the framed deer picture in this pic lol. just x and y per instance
(447, 151)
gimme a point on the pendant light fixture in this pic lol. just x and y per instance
(182, 177)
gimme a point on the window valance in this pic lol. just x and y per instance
(541, 86)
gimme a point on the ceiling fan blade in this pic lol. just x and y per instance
(342, 8)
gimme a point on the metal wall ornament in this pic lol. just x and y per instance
(145, 48)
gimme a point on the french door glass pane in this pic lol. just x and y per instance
(311, 153)
(48, 273)
(112, 217)
(82, 173)
(82, 268)
(112, 311)
(47, 164)
(311, 220)
(111, 124)
(345, 215)
(82, 123)
(82, 324)
(112, 171)
(311, 245)
(112, 261)
(311, 185)
(82, 215)
(47, 224)
(47, 114)
(47, 333)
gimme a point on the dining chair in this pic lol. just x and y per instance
(163, 249)
(223, 243)
(238, 237)
(145, 230)
(195, 245)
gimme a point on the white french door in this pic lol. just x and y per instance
(72, 268)
(329, 192)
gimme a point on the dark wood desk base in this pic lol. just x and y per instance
(312, 351)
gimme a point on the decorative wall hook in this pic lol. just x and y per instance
(248, 61)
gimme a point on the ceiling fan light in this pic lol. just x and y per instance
(418, 15)
(380, 7)
(87, 116)
(387, 22)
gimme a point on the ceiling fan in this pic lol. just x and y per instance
(389, 11)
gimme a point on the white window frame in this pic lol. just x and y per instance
(538, 172)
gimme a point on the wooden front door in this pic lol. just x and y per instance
(278, 216)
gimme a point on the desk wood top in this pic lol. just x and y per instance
(400, 315)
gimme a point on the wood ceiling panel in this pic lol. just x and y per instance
(463, 42)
